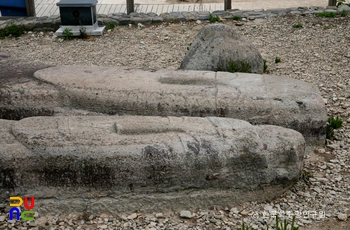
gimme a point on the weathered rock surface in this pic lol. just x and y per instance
(144, 163)
(21, 95)
(259, 99)
(217, 45)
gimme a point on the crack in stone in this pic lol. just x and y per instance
(214, 125)
(216, 92)
(183, 146)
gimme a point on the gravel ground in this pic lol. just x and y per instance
(318, 53)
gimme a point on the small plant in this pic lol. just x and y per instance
(237, 18)
(277, 60)
(188, 47)
(13, 30)
(344, 13)
(298, 25)
(333, 123)
(243, 67)
(279, 225)
(67, 33)
(244, 227)
(326, 14)
(110, 26)
(342, 2)
(265, 66)
(213, 19)
(284, 225)
(82, 33)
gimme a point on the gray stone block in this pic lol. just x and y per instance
(218, 12)
(295, 12)
(204, 17)
(157, 19)
(124, 21)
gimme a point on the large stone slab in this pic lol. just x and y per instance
(128, 163)
(259, 99)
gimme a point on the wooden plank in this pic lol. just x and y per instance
(332, 2)
(30, 8)
(227, 5)
(130, 6)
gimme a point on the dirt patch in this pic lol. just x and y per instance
(17, 71)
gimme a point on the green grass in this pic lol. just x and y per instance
(110, 26)
(213, 18)
(265, 66)
(280, 225)
(326, 14)
(333, 123)
(237, 18)
(298, 25)
(67, 33)
(342, 2)
(13, 30)
(243, 67)
(82, 33)
(277, 60)
(188, 47)
(344, 13)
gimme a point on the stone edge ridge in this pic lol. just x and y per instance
(52, 23)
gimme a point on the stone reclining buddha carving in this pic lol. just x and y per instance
(258, 99)
(163, 162)
(183, 150)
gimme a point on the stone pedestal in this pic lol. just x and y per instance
(77, 15)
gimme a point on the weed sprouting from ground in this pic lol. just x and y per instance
(326, 14)
(83, 34)
(265, 66)
(110, 26)
(213, 18)
(11, 30)
(298, 25)
(237, 18)
(277, 60)
(342, 2)
(344, 13)
(333, 123)
(280, 225)
(67, 33)
(243, 67)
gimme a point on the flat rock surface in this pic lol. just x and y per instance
(259, 99)
(147, 162)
